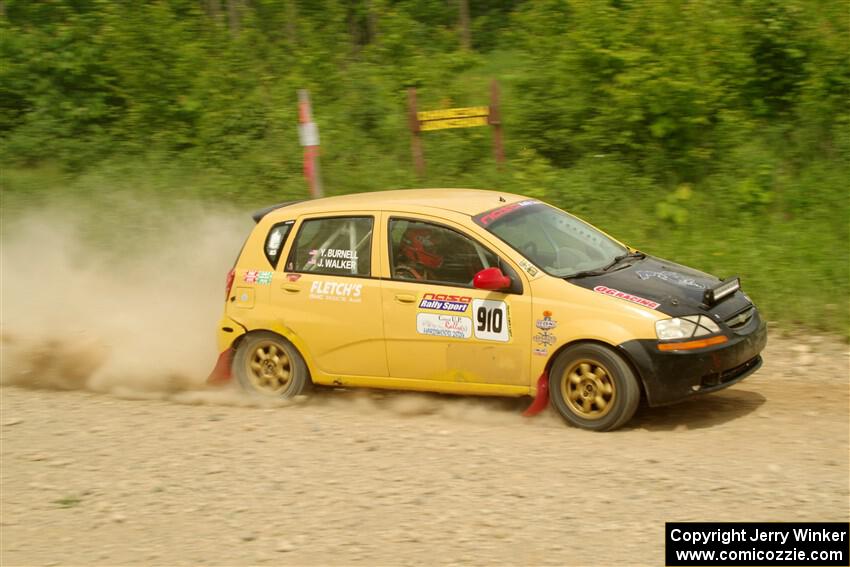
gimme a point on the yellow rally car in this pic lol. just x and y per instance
(476, 292)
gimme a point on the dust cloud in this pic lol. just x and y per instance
(125, 302)
(122, 301)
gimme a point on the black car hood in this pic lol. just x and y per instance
(678, 290)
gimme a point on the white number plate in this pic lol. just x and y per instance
(491, 320)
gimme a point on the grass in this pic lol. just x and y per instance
(795, 267)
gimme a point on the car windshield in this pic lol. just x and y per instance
(558, 243)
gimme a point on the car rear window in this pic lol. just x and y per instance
(340, 246)
(275, 240)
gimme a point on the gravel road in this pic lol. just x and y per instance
(348, 478)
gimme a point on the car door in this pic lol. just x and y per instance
(437, 326)
(328, 296)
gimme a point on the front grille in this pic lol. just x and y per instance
(741, 318)
(718, 378)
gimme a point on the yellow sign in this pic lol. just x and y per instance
(466, 122)
(453, 113)
(453, 118)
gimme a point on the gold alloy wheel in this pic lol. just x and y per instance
(588, 389)
(269, 368)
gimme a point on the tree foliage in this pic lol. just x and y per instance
(662, 118)
(672, 88)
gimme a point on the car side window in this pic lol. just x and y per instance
(339, 246)
(275, 241)
(427, 252)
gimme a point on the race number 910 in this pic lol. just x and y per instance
(491, 320)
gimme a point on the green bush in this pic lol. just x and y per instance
(716, 133)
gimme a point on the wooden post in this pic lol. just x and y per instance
(465, 42)
(416, 142)
(309, 134)
(495, 120)
(234, 16)
(372, 20)
(291, 17)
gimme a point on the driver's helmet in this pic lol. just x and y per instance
(419, 245)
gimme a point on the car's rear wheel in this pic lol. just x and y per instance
(592, 387)
(268, 365)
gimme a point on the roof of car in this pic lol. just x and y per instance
(464, 201)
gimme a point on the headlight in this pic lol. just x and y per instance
(685, 327)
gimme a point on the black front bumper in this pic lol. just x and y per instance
(672, 376)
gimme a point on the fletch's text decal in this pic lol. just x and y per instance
(627, 296)
(336, 291)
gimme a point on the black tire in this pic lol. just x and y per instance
(592, 387)
(268, 365)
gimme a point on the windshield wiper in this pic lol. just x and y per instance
(608, 266)
(636, 254)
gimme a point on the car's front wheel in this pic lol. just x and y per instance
(268, 365)
(592, 387)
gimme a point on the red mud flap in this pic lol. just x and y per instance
(221, 373)
(541, 400)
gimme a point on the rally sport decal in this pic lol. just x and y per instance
(443, 302)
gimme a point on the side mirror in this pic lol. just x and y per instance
(492, 279)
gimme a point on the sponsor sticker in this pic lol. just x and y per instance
(443, 302)
(627, 296)
(293, 277)
(452, 326)
(258, 277)
(486, 218)
(546, 323)
(336, 291)
(528, 267)
(492, 322)
(545, 338)
(541, 351)
(672, 277)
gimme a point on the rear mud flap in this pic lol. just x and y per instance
(541, 400)
(221, 374)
